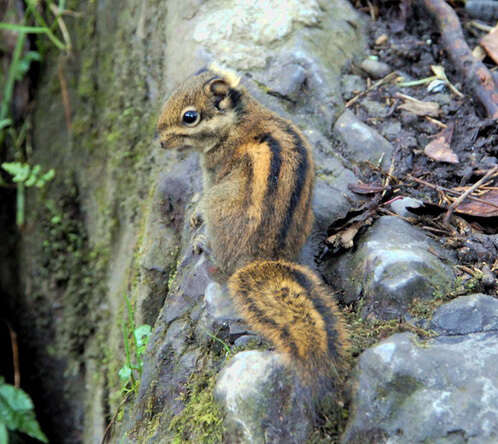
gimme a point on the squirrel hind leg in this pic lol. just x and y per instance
(288, 305)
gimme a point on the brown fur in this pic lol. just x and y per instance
(258, 179)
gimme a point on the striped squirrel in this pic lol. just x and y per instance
(258, 177)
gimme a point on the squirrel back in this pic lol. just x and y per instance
(257, 168)
(258, 177)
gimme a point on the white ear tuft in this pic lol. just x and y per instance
(228, 75)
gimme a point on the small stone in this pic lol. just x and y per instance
(244, 341)
(441, 98)
(352, 85)
(401, 206)
(362, 143)
(237, 328)
(488, 277)
(407, 118)
(381, 40)
(374, 108)
(375, 68)
(391, 129)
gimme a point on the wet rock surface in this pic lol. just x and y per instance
(394, 264)
(262, 400)
(441, 390)
(362, 143)
(467, 314)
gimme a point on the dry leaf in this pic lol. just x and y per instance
(481, 209)
(490, 43)
(345, 238)
(439, 149)
(419, 107)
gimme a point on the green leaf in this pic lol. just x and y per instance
(23, 64)
(3, 124)
(19, 171)
(48, 176)
(32, 176)
(21, 28)
(124, 373)
(4, 435)
(142, 335)
(16, 412)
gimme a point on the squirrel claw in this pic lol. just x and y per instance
(199, 244)
(196, 220)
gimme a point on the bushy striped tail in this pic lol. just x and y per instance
(289, 305)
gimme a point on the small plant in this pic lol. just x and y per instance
(135, 341)
(56, 32)
(226, 347)
(26, 176)
(17, 414)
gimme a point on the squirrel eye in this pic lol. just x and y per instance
(190, 117)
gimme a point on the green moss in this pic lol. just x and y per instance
(201, 420)
(366, 333)
(423, 308)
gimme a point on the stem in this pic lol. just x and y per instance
(11, 78)
(20, 205)
(40, 20)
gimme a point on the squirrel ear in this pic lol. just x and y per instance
(217, 87)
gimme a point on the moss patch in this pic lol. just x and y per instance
(201, 421)
(71, 269)
(426, 308)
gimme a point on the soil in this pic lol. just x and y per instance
(404, 38)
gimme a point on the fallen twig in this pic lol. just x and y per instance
(374, 85)
(447, 190)
(113, 420)
(15, 357)
(476, 75)
(462, 197)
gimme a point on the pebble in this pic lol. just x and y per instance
(375, 68)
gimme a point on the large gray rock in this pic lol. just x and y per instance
(263, 403)
(442, 391)
(394, 264)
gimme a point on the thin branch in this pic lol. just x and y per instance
(477, 77)
(447, 190)
(462, 197)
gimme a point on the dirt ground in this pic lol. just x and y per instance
(404, 38)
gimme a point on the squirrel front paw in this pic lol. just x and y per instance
(196, 220)
(200, 244)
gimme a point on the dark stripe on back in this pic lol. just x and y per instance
(201, 71)
(301, 172)
(271, 187)
(246, 159)
(275, 165)
(319, 305)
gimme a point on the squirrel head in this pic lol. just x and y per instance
(200, 112)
